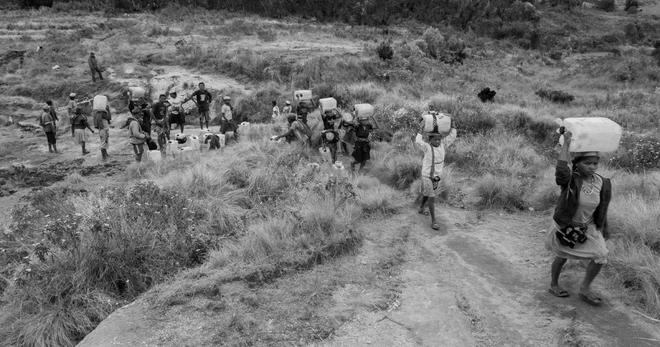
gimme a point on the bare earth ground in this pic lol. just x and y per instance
(481, 281)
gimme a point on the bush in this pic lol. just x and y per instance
(256, 108)
(385, 51)
(542, 131)
(266, 35)
(606, 5)
(637, 153)
(467, 117)
(96, 252)
(500, 192)
(555, 96)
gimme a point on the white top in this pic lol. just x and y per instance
(276, 112)
(438, 151)
(225, 110)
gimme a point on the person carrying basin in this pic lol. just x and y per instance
(438, 129)
(202, 98)
(579, 228)
(364, 124)
(102, 119)
(329, 135)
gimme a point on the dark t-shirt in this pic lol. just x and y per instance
(362, 131)
(203, 99)
(328, 123)
(160, 109)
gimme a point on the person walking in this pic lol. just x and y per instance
(330, 136)
(362, 149)
(432, 166)
(102, 121)
(202, 98)
(48, 125)
(160, 123)
(137, 136)
(227, 115)
(51, 110)
(176, 114)
(579, 227)
(71, 107)
(78, 126)
(94, 67)
(287, 108)
(276, 112)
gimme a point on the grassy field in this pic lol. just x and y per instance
(184, 231)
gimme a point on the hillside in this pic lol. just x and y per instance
(256, 245)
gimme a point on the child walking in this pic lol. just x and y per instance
(362, 148)
(432, 166)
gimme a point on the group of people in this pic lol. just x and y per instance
(49, 119)
(159, 118)
(337, 130)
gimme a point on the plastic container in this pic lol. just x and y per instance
(136, 92)
(154, 156)
(593, 134)
(100, 103)
(301, 95)
(363, 111)
(436, 123)
(326, 155)
(347, 117)
(328, 104)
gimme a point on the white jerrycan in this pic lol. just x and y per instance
(592, 134)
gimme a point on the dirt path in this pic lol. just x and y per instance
(482, 282)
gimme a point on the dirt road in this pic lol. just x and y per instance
(482, 281)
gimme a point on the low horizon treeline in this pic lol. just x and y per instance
(461, 13)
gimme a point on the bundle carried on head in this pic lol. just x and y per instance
(591, 135)
(436, 123)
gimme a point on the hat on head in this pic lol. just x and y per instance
(45, 107)
(226, 98)
(72, 95)
(288, 102)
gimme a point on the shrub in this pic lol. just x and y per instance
(379, 199)
(500, 192)
(637, 153)
(97, 252)
(257, 107)
(542, 131)
(385, 51)
(555, 96)
(266, 35)
(606, 5)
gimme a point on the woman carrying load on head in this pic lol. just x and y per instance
(579, 227)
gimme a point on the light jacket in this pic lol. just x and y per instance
(135, 133)
(438, 153)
